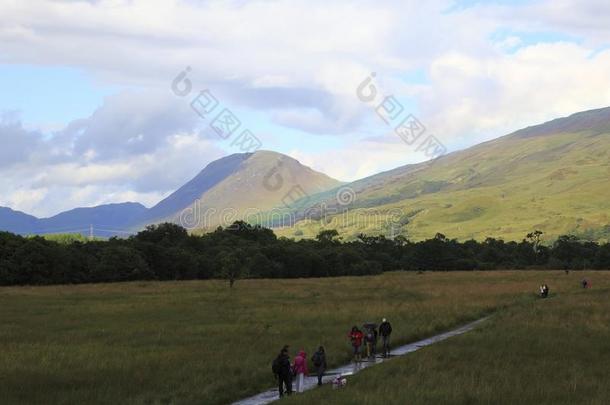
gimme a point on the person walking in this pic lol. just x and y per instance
(283, 372)
(385, 330)
(544, 291)
(299, 370)
(319, 362)
(356, 337)
(370, 340)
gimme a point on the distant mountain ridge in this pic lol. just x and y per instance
(106, 220)
(17, 221)
(552, 176)
(225, 190)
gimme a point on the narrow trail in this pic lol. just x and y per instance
(353, 368)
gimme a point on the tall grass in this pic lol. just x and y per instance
(200, 342)
(553, 351)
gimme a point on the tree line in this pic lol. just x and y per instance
(168, 252)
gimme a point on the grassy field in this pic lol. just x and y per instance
(554, 351)
(199, 342)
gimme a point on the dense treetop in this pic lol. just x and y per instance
(168, 252)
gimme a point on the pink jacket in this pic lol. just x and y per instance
(300, 364)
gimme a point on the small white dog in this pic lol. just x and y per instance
(339, 382)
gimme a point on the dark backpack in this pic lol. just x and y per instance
(275, 366)
(317, 359)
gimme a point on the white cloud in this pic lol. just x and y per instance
(303, 59)
(244, 50)
(479, 98)
(137, 145)
(299, 62)
(23, 198)
(361, 158)
(587, 20)
(17, 142)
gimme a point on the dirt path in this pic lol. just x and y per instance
(352, 368)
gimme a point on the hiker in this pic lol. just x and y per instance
(385, 330)
(374, 345)
(544, 291)
(585, 283)
(283, 372)
(299, 370)
(370, 339)
(319, 362)
(356, 337)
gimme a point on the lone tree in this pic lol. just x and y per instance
(440, 237)
(535, 239)
(232, 266)
(328, 236)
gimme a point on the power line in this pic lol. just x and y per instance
(117, 231)
(90, 231)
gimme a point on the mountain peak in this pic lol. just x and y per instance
(211, 175)
(238, 183)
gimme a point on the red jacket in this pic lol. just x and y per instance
(356, 338)
(300, 364)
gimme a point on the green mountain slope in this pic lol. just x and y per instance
(552, 177)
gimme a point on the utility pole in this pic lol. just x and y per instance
(91, 232)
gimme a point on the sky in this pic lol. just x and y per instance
(94, 110)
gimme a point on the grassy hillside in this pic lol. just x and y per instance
(537, 178)
(200, 342)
